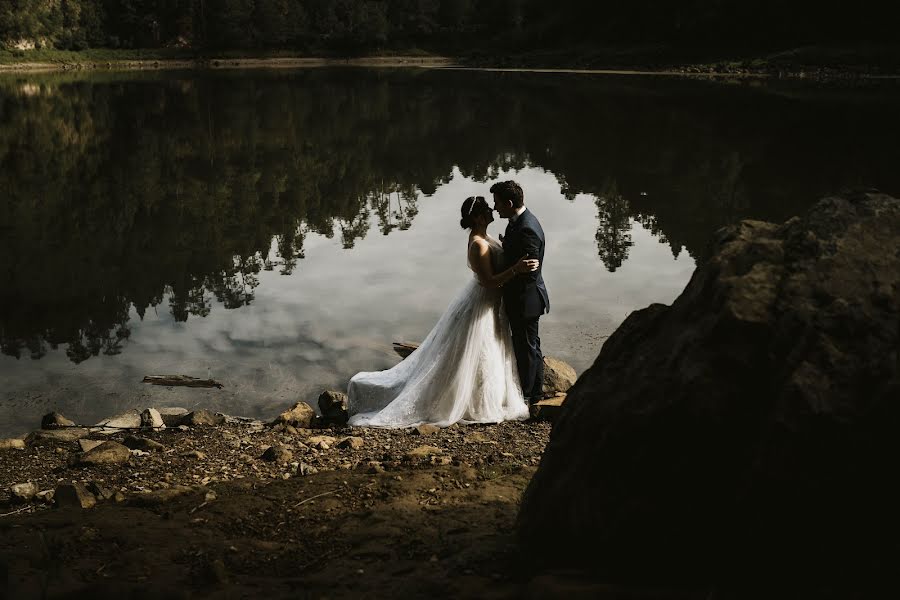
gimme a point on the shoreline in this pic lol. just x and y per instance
(700, 71)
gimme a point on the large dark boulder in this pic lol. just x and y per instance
(752, 428)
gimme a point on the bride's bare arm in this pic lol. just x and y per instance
(480, 259)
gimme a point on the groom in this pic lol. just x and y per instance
(525, 295)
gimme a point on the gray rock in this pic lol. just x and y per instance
(748, 428)
(559, 376)
(73, 495)
(100, 491)
(152, 418)
(55, 420)
(333, 408)
(300, 415)
(45, 496)
(305, 469)
(144, 444)
(56, 435)
(548, 409)
(201, 417)
(423, 452)
(426, 429)
(126, 420)
(352, 442)
(23, 492)
(278, 454)
(12, 444)
(86, 445)
(163, 496)
(172, 415)
(107, 453)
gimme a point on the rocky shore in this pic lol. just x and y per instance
(202, 503)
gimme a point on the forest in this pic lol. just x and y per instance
(453, 26)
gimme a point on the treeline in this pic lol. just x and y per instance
(458, 26)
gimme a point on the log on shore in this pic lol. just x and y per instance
(183, 380)
(404, 349)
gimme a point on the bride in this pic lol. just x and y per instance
(465, 370)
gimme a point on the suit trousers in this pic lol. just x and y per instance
(527, 346)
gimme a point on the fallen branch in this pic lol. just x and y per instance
(23, 509)
(182, 380)
(316, 496)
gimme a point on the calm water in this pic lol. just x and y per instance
(277, 230)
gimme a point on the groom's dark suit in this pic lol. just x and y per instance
(525, 298)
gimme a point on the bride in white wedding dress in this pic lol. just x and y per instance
(465, 370)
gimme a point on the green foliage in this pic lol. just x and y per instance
(459, 24)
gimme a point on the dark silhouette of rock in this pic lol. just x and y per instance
(333, 408)
(54, 420)
(750, 428)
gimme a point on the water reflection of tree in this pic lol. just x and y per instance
(115, 195)
(613, 226)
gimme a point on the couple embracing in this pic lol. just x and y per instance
(482, 361)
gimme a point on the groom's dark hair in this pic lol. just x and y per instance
(509, 190)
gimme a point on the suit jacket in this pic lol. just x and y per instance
(525, 295)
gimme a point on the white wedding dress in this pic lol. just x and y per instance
(464, 371)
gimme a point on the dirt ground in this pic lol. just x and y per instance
(327, 521)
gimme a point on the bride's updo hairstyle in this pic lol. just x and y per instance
(471, 208)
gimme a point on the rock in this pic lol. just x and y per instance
(194, 454)
(45, 496)
(278, 454)
(422, 452)
(73, 494)
(323, 442)
(549, 409)
(99, 491)
(56, 435)
(300, 415)
(162, 496)
(172, 415)
(23, 492)
(352, 442)
(12, 444)
(126, 420)
(143, 444)
(477, 438)
(86, 445)
(426, 429)
(441, 460)
(305, 469)
(201, 417)
(333, 408)
(152, 418)
(55, 420)
(558, 376)
(374, 466)
(748, 428)
(107, 453)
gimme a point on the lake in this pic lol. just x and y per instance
(276, 230)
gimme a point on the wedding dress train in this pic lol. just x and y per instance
(464, 371)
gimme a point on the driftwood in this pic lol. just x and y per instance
(404, 349)
(183, 380)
